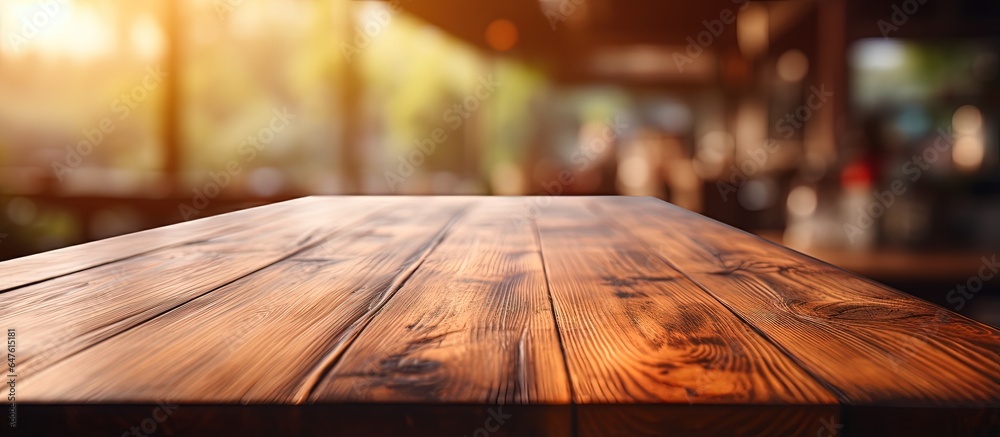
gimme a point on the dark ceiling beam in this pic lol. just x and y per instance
(566, 35)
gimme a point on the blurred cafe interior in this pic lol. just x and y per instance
(861, 132)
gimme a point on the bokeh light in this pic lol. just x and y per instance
(501, 35)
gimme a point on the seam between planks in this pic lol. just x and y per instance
(124, 258)
(555, 321)
(855, 275)
(340, 348)
(841, 398)
(287, 256)
(185, 242)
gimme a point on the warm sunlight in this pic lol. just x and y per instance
(57, 28)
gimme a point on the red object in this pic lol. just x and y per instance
(856, 175)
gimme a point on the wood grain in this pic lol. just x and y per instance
(389, 315)
(36, 268)
(473, 325)
(636, 330)
(871, 344)
(63, 316)
(261, 338)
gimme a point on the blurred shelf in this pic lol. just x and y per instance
(893, 264)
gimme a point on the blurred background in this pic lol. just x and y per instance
(861, 132)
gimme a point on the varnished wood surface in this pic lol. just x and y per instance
(473, 325)
(907, 351)
(43, 266)
(637, 331)
(446, 315)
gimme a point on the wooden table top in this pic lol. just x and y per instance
(480, 316)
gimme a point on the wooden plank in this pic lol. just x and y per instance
(264, 337)
(601, 316)
(39, 267)
(63, 316)
(874, 345)
(474, 325)
(636, 330)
